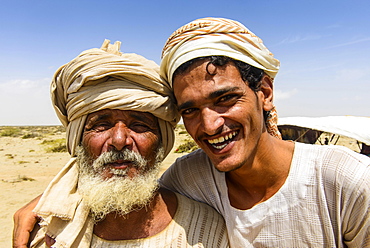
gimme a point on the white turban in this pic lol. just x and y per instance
(216, 37)
(107, 79)
(219, 37)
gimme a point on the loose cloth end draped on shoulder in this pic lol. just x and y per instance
(105, 78)
(219, 37)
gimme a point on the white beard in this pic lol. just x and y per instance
(119, 193)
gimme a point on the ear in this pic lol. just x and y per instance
(267, 90)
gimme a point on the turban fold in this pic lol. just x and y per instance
(105, 78)
(219, 37)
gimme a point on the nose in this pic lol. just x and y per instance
(120, 137)
(211, 121)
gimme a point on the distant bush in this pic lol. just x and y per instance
(188, 146)
(180, 128)
(58, 145)
(30, 135)
(11, 132)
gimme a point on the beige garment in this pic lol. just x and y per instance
(65, 217)
(107, 79)
(194, 225)
(64, 214)
(219, 37)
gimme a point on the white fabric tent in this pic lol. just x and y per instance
(350, 126)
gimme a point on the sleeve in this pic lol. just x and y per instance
(356, 217)
(194, 177)
(350, 179)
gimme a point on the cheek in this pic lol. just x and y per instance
(147, 144)
(94, 144)
(191, 125)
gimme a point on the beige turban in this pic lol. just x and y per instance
(219, 37)
(107, 79)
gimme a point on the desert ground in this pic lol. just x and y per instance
(31, 156)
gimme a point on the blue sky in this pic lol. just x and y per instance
(323, 47)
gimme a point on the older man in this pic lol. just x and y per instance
(119, 117)
(272, 193)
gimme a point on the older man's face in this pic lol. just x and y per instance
(118, 161)
(118, 130)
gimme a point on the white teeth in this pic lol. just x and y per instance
(219, 147)
(118, 172)
(222, 139)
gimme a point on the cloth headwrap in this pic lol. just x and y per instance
(107, 79)
(219, 37)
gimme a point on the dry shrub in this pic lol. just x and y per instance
(11, 132)
(31, 135)
(189, 145)
(57, 145)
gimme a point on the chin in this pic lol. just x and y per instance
(224, 166)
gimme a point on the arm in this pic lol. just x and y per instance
(25, 224)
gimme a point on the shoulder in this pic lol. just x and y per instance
(189, 167)
(187, 204)
(193, 176)
(198, 156)
(330, 155)
(336, 165)
(197, 217)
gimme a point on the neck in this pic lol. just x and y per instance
(142, 223)
(263, 176)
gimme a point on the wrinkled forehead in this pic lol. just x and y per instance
(122, 115)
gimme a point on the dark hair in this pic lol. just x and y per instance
(248, 73)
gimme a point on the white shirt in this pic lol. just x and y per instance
(323, 203)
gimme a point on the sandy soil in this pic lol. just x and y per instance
(27, 168)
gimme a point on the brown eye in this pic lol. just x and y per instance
(188, 111)
(102, 126)
(228, 99)
(140, 127)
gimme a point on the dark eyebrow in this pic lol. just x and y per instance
(220, 92)
(185, 105)
(212, 95)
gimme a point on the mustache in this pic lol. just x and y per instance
(124, 155)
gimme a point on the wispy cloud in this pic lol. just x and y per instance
(299, 38)
(26, 102)
(17, 85)
(351, 42)
(283, 95)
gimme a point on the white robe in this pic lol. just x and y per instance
(323, 203)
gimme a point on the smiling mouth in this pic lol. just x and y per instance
(221, 142)
(119, 168)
